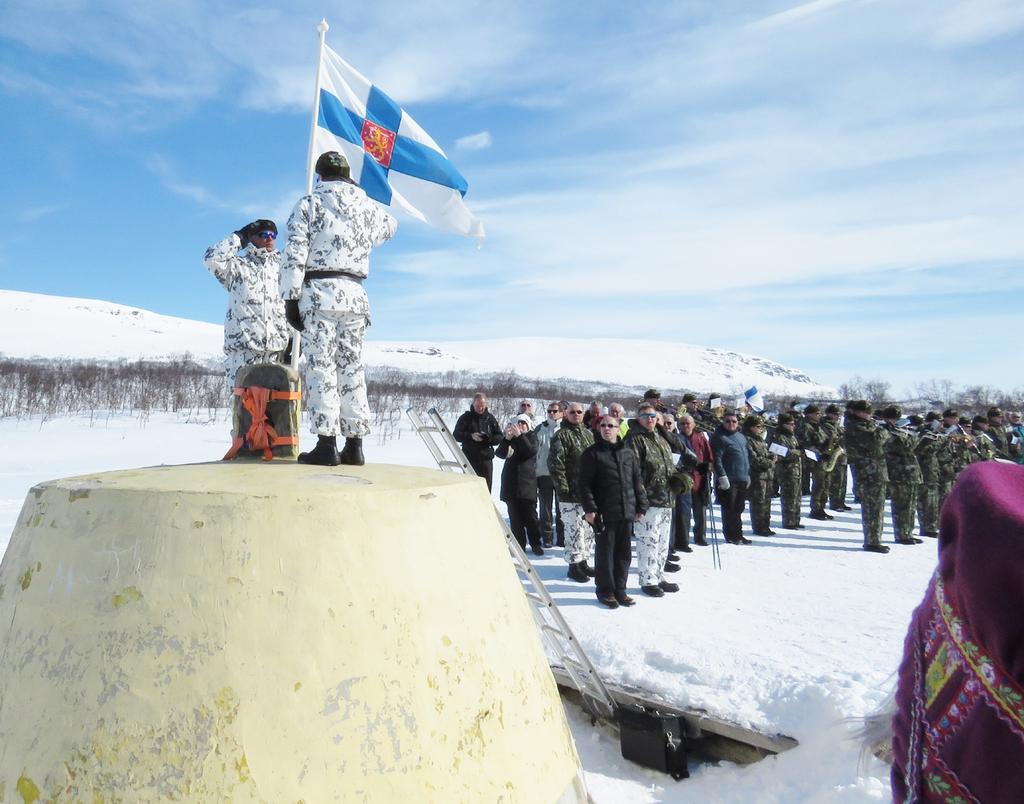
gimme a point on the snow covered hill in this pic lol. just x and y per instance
(35, 325)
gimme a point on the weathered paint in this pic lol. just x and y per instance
(308, 643)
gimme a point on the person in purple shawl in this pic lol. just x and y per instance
(958, 730)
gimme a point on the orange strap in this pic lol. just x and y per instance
(261, 434)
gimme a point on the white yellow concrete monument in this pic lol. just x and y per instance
(276, 633)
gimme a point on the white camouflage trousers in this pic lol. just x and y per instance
(652, 534)
(332, 344)
(579, 535)
(234, 359)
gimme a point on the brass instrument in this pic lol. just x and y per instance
(833, 459)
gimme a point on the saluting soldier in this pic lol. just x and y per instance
(864, 442)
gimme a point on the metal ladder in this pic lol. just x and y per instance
(555, 632)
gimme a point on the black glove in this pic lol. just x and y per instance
(291, 312)
(243, 235)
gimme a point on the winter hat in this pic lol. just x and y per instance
(859, 406)
(959, 722)
(812, 408)
(689, 398)
(525, 419)
(832, 409)
(264, 225)
(993, 412)
(890, 412)
(978, 420)
(652, 393)
(753, 421)
(932, 416)
(786, 418)
(950, 413)
(916, 420)
(332, 165)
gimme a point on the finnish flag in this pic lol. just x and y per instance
(753, 397)
(394, 160)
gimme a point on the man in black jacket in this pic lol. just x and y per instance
(478, 432)
(518, 448)
(611, 487)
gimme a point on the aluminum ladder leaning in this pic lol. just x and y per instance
(555, 632)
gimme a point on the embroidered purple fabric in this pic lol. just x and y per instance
(958, 732)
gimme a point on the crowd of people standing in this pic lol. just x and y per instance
(597, 483)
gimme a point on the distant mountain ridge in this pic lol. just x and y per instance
(36, 325)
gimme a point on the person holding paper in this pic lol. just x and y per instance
(1016, 436)
(818, 441)
(788, 471)
(762, 463)
(732, 476)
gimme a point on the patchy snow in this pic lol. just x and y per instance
(35, 325)
(794, 634)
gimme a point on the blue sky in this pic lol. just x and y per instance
(836, 184)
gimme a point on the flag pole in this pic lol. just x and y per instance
(322, 29)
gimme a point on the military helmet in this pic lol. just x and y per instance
(332, 165)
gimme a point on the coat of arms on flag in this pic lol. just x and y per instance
(394, 160)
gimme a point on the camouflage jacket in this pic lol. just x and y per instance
(927, 451)
(255, 319)
(1000, 441)
(656, 465)
(815, 437)
(864, 442)
(900, 459)
(955, 454)
(761, 462)
(789, 463)
(567, 446)
(333, 229)
(987, 446)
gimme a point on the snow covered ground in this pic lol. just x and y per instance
(794, 634)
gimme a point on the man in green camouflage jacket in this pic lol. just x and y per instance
(997, 432)
(864, 442)
(788, 471)
(567, 445)
(929, 444)
(762, 463)
(904, 476)
(817, 438)
(837, 476)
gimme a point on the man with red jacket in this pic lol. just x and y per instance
(695, 501)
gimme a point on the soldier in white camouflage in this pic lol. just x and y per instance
(652, 530)
(330, 235)
(255, 328)
(567, 445)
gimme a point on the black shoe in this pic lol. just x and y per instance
(820, 515)
(672, 557)
(931, 534)
(798, 526)
(911, 540)
(684, 549)
(577, 574)
(325, 453)
(588, 569)
(352, 453)
(668, 586)
(701, 542)
(608, 600)
(732, 541)
(537, 550)
(653, 591)
(624, 599)
(840, 508)
(671, 566)
(877, 548)
(743, 540)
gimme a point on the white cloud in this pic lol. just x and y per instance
(474, 142)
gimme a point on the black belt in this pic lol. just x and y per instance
(310, 275)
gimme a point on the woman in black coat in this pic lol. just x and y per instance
(518, 448)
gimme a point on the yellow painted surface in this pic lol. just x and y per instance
(272, 632)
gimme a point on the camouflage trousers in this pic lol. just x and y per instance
(903, 504)
(928, 508)
(789, 491)
(234, 359)
(651, 534)
(760, 495)
(579, 535)
(819, 485)
(332, 344)
(872, 508)
(837, 485)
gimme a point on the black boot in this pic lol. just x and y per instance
(577, 574)
(325, 453)
(876, 548)
(589, 570)
(352, 453)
